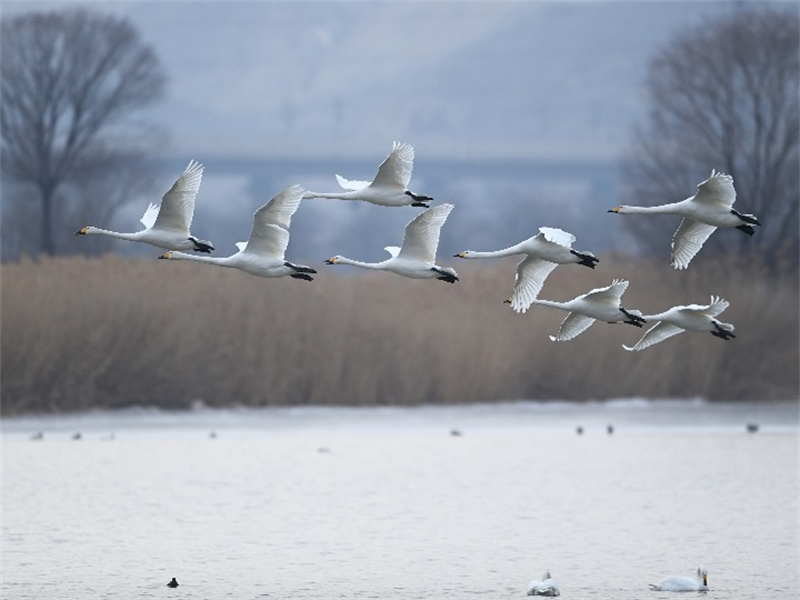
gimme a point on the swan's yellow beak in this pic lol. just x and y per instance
(460, 254)
(705, 579)
(615, 209)
(166, 255)
(82, 231)
(331, 261)
(507, 301)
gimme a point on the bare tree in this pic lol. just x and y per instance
(724, 96)
(70, 83)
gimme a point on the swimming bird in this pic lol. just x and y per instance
(173, 583)
(168, 226)
(544, 252)
(416, 258)
(693, 317)
(677, 583)
(711, 207)
(545, 587)
(263, 254)
(601, 303)
(388, 188)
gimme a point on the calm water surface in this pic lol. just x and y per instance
(391, 504)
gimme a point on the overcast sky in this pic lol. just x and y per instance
(529, 79)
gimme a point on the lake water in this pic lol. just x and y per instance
(457, 502)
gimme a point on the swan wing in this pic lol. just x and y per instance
(422, 234)
(241, 246)
(177, 205)
(557, 236)
(268, 240)
(351, 184)
(716, 307)
(717, 189)
(571, 327)
(611, 293)
(687, 241)
(393, 250)
(395, 171)
(279, 210)
(150, 215)
(657, 333)
(531, 273)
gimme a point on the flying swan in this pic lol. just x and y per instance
(168, 226)
(604, 304)
(416, 258)
(262, 255)
(709, 208)
(544, 252)
(692, 317)
(545, 587)
(677, 583)
(390, 186)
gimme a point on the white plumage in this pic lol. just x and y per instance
(711, 207)
(388, 188)
(692, 317)
(543, 253)
(677, 583)
(417, 256)
(263, 253)
(603, 304)
(168, 226)
(544, 587)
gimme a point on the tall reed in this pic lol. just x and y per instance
(81, 333)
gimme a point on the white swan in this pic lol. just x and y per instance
(677, 583)
(416, 258)
(709, 208)
(544, 252)
(390, 186)
(692, 317)
(604, 304)
(262, 255)
(168, 226)
(545, 587)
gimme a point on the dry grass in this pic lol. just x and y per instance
(80, 333)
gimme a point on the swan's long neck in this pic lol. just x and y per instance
(222, 261)
(661, 209)
(329, 195)
(511, 251)
(551, 303)
(358, 263)
(115, 234)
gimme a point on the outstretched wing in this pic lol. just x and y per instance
(611, 293)
(177, 205)
(268, 241)
(717, 189)
(571, 327)
(395, 171)
(657, 333)
(531, 273)
(280, 209)
(422, 234)
(687, 241)
(557, 236)
(351, 184)
(716, 307)
(150, 215)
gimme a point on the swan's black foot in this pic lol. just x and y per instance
(420, 200)
(634, 320)
(587, 259)
(445, 275)
(722, 333)
(299, 268)
(201, 245)
(303, 276)
(748, 229)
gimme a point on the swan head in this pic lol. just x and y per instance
(83, 230)
(702, 574)
(333, 260)
(464, 254)
(166, 255)
(616, 209)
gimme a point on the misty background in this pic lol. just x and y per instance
(520, 114)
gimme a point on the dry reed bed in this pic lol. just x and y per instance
(79, 333)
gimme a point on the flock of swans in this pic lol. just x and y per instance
(546, 586)
(168, 227)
